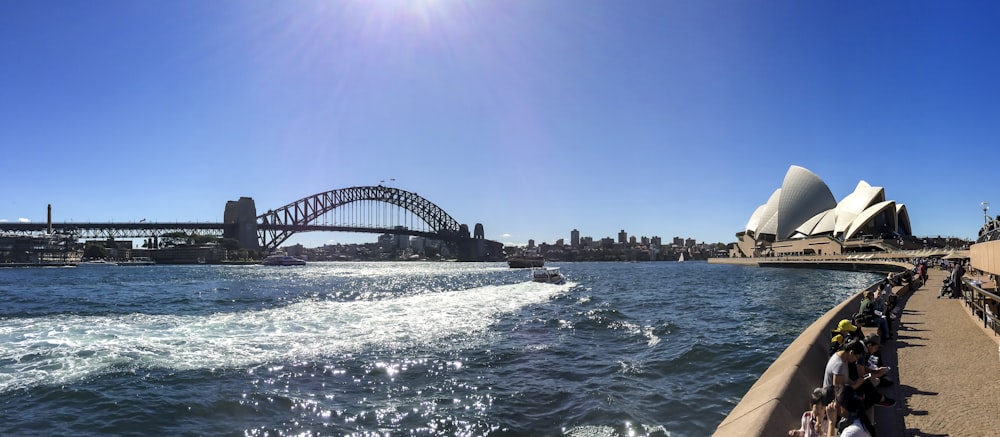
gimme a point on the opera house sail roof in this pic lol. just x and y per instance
(804, 207)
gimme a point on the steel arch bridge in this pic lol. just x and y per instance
(371, 209)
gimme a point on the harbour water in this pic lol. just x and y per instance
(395, 348)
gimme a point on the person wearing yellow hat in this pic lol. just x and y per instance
(843, 333)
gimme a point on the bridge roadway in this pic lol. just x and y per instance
(151, 229)
(116, 230)
(466, 249)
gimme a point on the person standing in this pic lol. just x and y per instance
(956, 280)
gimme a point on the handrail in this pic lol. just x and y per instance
(975, 298)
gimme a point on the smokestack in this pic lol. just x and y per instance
(50, 219)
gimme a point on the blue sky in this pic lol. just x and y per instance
(667, 118)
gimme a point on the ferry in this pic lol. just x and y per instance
(527, 259)
(96, 263)
(283, 260)
(138, 261)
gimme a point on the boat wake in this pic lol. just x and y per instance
(64, 349)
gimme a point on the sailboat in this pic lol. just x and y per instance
(681, 259)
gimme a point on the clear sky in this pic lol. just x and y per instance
(663, 117)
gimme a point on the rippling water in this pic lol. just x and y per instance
(394, 348)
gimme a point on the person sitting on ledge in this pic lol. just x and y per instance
(816, 422)
(882, 312)
(839, 371)
(852, 423)
(869, 362)
(844, 333)
(871, 316)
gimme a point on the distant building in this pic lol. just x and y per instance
(574, 238)
(622, 236)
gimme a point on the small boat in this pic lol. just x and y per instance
(548, 275)
(681, 259)
(283, 260)
(138, 261)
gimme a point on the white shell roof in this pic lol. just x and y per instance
(769, 217)
(804, 206)
(854, 204)
(803, 195)
(810, 226)
(755, 219)
(868, 214)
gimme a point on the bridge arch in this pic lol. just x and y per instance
(357, 209)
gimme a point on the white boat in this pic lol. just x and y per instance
(548, 275)
(283, 260)
(96, 263)
(681, 259)
(138, 261)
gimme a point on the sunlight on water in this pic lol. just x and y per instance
(65, 349)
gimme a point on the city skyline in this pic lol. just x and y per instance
(530, 118)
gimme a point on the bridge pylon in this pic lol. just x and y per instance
(240, 222)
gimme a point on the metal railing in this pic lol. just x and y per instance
(982, 303)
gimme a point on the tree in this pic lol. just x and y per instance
(95, 251)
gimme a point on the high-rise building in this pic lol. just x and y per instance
(574, 238)
(622, 236)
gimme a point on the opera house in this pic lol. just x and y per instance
(803, 217)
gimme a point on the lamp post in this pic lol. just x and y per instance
(986, 207)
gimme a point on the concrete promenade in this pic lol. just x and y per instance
(948, 369)
(945, 363)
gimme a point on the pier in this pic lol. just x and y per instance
(944, 360)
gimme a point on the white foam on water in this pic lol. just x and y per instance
(65, 349)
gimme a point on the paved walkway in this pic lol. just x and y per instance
(947, 367)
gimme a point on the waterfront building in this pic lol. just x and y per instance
(622, 236)
(803, 217)
(574, 238)
(38, 249)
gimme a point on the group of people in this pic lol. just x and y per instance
(844, 405)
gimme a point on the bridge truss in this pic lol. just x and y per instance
(116, 231)
(377, 209)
